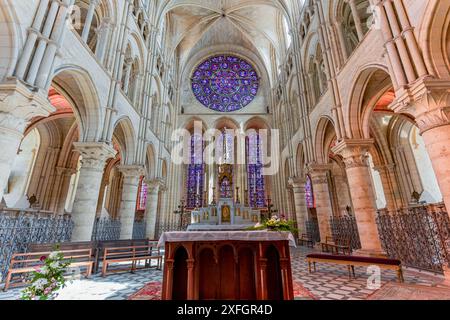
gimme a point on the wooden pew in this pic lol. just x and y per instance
(132, 254)
(103, 245)
(341, 243)
(23, 263)
(304, 239)
(352, 261)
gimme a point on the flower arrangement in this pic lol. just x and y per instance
(48, 279)
(275, 224)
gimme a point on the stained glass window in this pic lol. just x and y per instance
(309, 195)
(142, 195)
(225, 83)
(225, 148)
(195, 174)
(256, 184)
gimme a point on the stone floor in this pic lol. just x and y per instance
(327, 283)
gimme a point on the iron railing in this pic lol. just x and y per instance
(312, 230)
(20, 228)
(167, 227)
(139, 229)
(106, 229)
(345, 227)
(417, 236)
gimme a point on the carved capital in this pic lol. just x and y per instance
(354, 152)
(65, 171)
(318, 172)
(19, 105)
(428, 101)
(94, 154)
(386, 168)
(132, 171)
(296, 182)
(153, 186)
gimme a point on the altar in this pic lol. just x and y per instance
(227, 265)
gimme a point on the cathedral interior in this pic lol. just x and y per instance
(125, 120)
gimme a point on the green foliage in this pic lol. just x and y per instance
(275, 224)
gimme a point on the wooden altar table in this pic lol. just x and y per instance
(227, 265)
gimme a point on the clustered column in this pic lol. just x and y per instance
(127, 211)
(301, 211)
(432, 117)
(152, 207)
(94, 157)
(355, 154)
(88, 20)
(321, 189)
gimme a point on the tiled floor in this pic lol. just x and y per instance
(328, 282)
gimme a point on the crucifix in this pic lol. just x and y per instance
(270, 206)
(181, 211)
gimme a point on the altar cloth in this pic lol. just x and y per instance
(177, 236)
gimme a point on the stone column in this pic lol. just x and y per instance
(127, 75)
(399, 41)
(42, 44)
(390, 187)
(103, 33)
(301, 211)
(62, 187)
(341, 38)
(321, 190)
(410, 38)
(152, 207)
(356, 162)
(127, 211)
(94, 156)
(18, 106)
(432, 112)
(54, 43)
(393, 55)
(88, 20)
(357, 19)
(32, 38)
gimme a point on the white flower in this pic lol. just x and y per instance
(40, 283)
(54, 264)
(44, 270)
(53, 255)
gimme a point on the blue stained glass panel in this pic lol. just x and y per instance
(225, 83)
(195, 174)
(256, 184)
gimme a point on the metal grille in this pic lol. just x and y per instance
(20, 228)
(106, 229)
(174, 226)
(139, 228)
(345, 228)
(417, 236)
(312, 230)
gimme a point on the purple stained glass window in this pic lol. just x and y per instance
(195, 174)
(142, 201)
(225, 83)
(256, 184)
(309, 195)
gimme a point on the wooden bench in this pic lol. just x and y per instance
(23, 263)
(102, 245)
(304, 239)
(342, 243)
(64, 246)
(132, 254)
(352, 261)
